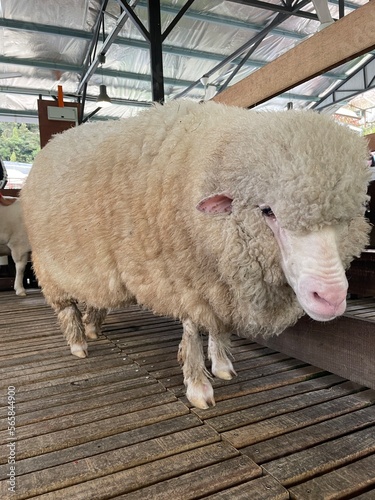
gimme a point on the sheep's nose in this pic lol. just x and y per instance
(333, 301)
(321, 300)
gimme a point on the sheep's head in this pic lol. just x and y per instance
(307, 183)
(311, 261)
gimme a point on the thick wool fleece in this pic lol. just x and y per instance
(111, 210)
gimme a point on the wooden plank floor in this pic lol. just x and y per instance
(117, 424)
(363, 308)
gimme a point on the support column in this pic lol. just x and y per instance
(156, 55)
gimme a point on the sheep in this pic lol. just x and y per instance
(229, 220)
(13, 238)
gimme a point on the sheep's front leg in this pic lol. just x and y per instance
(92, 321)
(70, 319)
(20, 260)
(218, 350)
(199, 390)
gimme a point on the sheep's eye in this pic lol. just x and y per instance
(267, 211)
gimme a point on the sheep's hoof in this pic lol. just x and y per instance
(200, 395)
(90, 332)
(224, 371)
(224, 374)
(21, 293)
(79, 350)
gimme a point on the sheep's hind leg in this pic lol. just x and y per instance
(92, 320)
(20, 261)
(199, 390)
(70, 319)
(218, 350)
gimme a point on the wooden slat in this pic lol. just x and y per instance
(173, 368)
(54, 357)
(79, 387)
(369, 495)
(319, 400)
(361, 308)
(48, 436)
(107, 444)
(241, 379)
(116, 460)
(306, 464)
(340, 483)
(113, 401)
(344, 40)
(267, 428)
(53, 368)
(293, 388)
(122, 386)
(297, 440)
(264, 488)
(152, 472)
(54, 377)
(190, 486)
(255, 382)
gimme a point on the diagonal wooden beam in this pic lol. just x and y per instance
(346, 39)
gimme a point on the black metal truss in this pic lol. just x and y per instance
(253, 42)
(156, 51)
(153, 36)
(362, 79)
(287, 8)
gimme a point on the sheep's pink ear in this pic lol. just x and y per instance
(216, 204)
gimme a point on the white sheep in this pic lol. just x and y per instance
(13, 238)
(230, 220)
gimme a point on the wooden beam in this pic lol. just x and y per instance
(344, 346)
(346, 39)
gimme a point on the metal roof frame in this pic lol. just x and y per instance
(359, 81)
(155, 41)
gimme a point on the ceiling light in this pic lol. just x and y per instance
(103, 100)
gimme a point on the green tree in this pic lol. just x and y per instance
(19, 142)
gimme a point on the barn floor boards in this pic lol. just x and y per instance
(117, 424)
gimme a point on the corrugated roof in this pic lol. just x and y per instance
(48, 43)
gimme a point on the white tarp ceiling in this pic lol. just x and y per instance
(45, 43)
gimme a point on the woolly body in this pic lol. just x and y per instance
(111, 211)
(13, 239)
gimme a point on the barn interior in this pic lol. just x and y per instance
(298, 420)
